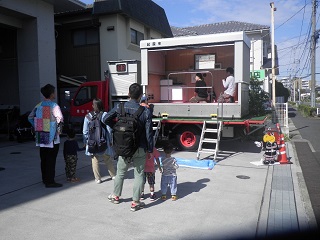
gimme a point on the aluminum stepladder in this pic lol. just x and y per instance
(213, 128)
(211, 133)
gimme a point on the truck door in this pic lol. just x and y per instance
(81, 103)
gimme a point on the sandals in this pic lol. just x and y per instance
(74, 180)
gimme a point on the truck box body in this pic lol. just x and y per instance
(177, 60)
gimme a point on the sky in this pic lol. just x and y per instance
(292, 21)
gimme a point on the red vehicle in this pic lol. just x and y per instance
(112, 90)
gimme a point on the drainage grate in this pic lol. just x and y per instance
(243, 177)
(15, 153)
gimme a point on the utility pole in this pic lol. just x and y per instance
(313, 54)
(294, 89)
(252, 50)
(273, 9)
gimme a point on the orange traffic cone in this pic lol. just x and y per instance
(282, 157)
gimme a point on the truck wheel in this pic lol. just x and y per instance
(188, 138)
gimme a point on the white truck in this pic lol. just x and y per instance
(167, 74)
(170, 64)
(168, 68)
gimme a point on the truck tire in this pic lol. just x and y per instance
(188, 138)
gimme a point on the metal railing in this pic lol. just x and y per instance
(280, 115)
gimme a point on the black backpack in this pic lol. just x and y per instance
(125, 133)
(97, 142)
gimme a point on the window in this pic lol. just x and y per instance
(84, 37)
(136, 36)
(204, 61)
(85, 95)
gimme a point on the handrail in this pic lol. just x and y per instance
(190, 72)
(220, 118)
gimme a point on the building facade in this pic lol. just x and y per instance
(44, 39)
(27, 49)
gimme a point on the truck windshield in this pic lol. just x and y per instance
(85, 95)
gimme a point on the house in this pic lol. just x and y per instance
(260, 54)
(106, 31)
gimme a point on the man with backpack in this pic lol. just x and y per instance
(126, 113)
(98, 140)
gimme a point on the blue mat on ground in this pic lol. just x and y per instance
(194, 163)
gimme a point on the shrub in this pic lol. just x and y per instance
(257, 98)
(306, 110)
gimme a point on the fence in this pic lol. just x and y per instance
(280, 115)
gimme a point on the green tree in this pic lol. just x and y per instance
(257, 98)
(281, 91)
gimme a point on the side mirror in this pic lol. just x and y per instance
(67, 96)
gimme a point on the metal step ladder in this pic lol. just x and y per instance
(156, 125)
(211, 132)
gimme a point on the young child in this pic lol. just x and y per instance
(70, 155)
(149, 173)
(169, 174)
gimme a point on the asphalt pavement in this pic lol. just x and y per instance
(240, 198)
(307, 147)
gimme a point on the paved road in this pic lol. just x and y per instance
(235, 200)
(309, 128)
(308, 153)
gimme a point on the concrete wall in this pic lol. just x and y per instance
(35, 47)
(242, 74)
(115, 44)
(256, 51)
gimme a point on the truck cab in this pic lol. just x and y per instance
(112, 90)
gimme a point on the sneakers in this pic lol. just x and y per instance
(174, 197)
(142, 196)
(98, 181)
(153, 197)
(113, 178)
(163, 197)
(136, 206)
(113, 199)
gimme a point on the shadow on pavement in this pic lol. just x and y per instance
(187, 188)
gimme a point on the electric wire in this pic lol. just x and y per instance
(295, 49)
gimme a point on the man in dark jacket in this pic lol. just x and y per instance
(139, 157)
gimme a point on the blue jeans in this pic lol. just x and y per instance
(171, 181)
(139, 160)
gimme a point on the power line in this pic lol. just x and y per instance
(291, 17)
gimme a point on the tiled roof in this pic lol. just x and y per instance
(144, 11)
(178, 32)
(222, 27)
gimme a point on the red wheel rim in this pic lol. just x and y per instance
(188, 139)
